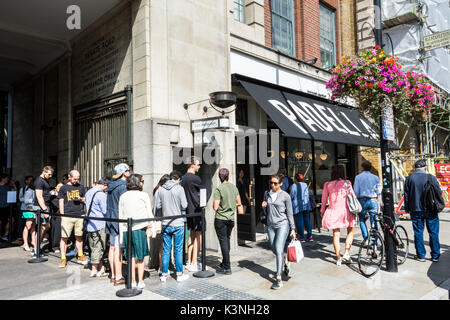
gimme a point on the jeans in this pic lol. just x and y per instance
(277, 239)
(223, 230)
(419, 220)
(302, 220)
(371, 206)
(178, 233)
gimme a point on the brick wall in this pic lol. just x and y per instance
(307, 31)
(347, 26)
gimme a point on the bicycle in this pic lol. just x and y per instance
(372, 250)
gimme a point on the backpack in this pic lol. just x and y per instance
(432, 200)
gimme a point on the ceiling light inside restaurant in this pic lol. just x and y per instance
(310, 156)
(323, 156)
(282, 154)
(299, 155)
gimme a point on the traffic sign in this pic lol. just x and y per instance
(401, 207)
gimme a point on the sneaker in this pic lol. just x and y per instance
(93, 275)
(82, 259)
(120, 282)
(163, 278)
(346, 258)
(133, 285)
(339, 262)
(4, 238)
(63, 263)
(182, 277)
(435, 259)
(302, 240)
(102, 274)
(199, 266)
(287, 268)
(277, 285)
(141, 285)
(419, 259)
(72, 253)
(224, 271)
(192, 268)
(26, 248)
(310, 239)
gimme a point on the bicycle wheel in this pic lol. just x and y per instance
(371, 254)
(402, 243)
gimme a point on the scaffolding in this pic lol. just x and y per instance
(405, 23)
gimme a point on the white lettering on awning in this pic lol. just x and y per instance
(305, 117)
(287, 113)
(343, 114)
(325, 126)
(372, 133)
(330, 119)
(342, 124)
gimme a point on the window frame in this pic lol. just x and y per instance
(241, 5)
(323, 6)
(292, 29)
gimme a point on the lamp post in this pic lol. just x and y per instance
(387, 196)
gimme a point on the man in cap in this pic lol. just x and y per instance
(115, 189)
(413, 190)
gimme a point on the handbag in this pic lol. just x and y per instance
(263, 214)
(86, 221)
(353, 204)
(295, 251)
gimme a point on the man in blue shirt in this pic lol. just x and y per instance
(95, 200)
(367, 189)
(413, 190)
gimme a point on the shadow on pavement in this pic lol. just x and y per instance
(262, 271)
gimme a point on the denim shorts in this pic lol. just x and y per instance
(115, 241)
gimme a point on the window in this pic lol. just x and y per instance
(241, 112)
(327, 42)
(239, 10)
(283, 25)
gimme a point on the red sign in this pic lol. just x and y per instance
(443, 175)
(401, 207)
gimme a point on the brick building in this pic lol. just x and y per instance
(115, 89)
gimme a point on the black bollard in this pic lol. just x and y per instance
(38, 258)
(128, 291)
(204, 273)
(10, 224)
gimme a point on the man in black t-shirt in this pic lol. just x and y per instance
(192, 185)
(42, 200)
(71, 201)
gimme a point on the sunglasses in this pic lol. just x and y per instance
(275, 183)
(142, 181)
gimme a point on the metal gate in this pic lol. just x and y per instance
(102, 135)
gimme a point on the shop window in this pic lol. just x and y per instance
(241, 112)
(299, 159)
(283, 25)
(325, 153)
(239, 10)
(327, 37)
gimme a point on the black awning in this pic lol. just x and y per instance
(273, 103)
(302, 116)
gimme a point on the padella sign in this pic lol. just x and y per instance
(300, 116)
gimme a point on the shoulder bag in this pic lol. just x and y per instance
(352, 202)
(263, 214)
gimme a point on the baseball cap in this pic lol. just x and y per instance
(420, 164)
(104, 180)
(120, 169)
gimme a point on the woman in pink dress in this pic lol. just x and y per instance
(337, 215)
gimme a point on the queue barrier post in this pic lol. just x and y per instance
(38, 258)
(129, 291)
(10, 226)
(204, 273)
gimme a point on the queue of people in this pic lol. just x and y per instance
(287, 211)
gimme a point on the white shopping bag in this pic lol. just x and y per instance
(295, 251)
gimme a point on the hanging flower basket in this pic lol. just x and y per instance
(373, 75)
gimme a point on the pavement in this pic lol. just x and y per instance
(316, 277)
